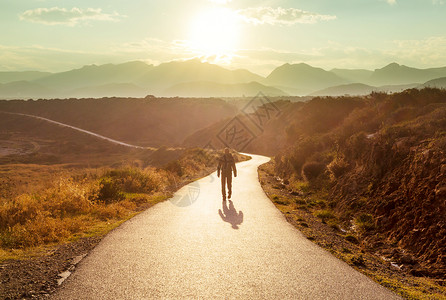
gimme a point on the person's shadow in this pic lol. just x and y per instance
(230, 215)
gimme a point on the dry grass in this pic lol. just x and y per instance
(67, 209)
(91, 203)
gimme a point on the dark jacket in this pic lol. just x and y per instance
(226, 165)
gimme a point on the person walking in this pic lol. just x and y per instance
(225, 168)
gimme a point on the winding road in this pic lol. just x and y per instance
(196, 246)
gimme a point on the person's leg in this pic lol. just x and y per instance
(223, 185)
(229, 179)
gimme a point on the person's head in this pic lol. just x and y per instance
(226, 150)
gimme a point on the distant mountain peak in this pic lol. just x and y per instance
(391, 66)
(296, 66)
(394, 64)
(89, 66)
(302, 64)
(135, 62)
(304, 77)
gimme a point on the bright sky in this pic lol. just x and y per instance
(58, 35)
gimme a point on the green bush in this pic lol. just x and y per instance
(110, 191)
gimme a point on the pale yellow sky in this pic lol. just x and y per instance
(55, 35)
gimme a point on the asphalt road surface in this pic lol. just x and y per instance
(196, 246)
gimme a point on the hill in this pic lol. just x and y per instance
(6, 77)
(354, 89)
(303, 77)
(436, 83)
(394, 73)
(95, 75)
(381, 163)
(24, 90)
(212, 89)
(26, 140)
(359, 89)
(108, 90)
(172, 73)
(198, 79)
(267, 139)
(146, 122)
(359, 75)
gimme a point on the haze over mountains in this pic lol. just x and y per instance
(193, 78)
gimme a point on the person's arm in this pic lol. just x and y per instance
(234, 169)
(218, 168)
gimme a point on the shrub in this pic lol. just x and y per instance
(338, 167)
(68, 198)
(41, 229)
(18, 211)
(134, 180)
(325, 215)
(301, 186)
(175, 168)
(109, 190)
(302, 150)
(364, 222)
(356, 145)
(312, 170)
(111, 211)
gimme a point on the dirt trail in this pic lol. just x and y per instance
(81, 130)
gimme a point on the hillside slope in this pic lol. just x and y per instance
(95, 75)
(303, 77)
(212, 89)
(24, 90)
(168, 74)
(399, 74)
(145, 122)
(355, 89)
(108, 90)
(436, 83)
(383, 166)
(6, 77)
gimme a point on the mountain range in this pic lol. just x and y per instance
(193, 78)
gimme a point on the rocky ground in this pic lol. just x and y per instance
(37, 278)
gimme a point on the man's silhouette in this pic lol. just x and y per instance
(226, 165)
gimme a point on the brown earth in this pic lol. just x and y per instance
(387, 264)
(409, 203)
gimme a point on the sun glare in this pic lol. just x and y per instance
(215, 33)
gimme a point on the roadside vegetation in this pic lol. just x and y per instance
(364, 177)
(92, 203)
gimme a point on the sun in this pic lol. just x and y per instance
(215, 32)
